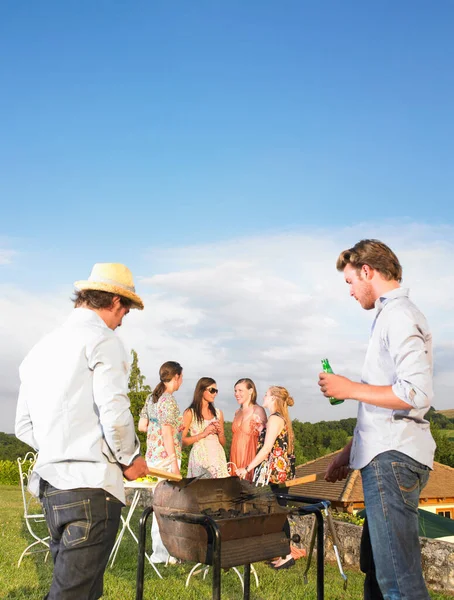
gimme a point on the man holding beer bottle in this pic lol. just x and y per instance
(392, 444)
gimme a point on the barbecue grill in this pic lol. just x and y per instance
(226, 523)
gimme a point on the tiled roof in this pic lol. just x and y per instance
(440, 484)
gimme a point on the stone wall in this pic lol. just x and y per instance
(437, 556)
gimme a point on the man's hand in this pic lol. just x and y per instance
(335, 386)
(137, 469)
(338, 468)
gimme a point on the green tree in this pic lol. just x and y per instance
(11, 448)
(444, 452)
(136, 379)
(138, 392)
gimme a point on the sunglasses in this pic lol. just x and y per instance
(212, 390)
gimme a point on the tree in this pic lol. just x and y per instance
(136, 379)
(11, 447)
(137, 394)
(444, 452)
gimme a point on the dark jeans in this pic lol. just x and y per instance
(83, 524)
(390, 550)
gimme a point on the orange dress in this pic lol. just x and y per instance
(244, 440)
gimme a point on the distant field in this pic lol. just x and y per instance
(449, 433)
(449, 413)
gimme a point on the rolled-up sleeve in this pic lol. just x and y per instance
(110, 367)
(410, 346)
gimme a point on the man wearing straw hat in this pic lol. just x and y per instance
(74, 410)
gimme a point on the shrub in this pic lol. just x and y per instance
(9, 472)
(348, 518)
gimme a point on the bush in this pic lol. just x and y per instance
(9, 472)
(348, 518)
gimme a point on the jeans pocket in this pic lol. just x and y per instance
(75, 519)
(411, 480)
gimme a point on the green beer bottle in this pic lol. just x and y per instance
(327, 368)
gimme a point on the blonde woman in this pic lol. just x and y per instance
(248, 423)
(274, 461)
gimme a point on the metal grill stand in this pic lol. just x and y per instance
(311, 506)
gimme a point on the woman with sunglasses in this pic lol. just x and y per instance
(203, 427)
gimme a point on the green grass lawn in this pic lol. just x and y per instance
(32, 580)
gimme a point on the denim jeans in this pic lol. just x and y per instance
(83, 524)
(390, 550)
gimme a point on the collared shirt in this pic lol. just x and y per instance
(73, 406)
(400, 355)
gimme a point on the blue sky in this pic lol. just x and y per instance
(166, 134)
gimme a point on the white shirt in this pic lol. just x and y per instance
(399, 354)
(73, 406)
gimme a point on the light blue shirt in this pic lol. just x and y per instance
(73, 406)
(399, 354)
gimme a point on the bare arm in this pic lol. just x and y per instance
(192, 439)
(409, 346)
(338, 468)
(342, 388)
(273, 429)
(220, 429)
(143, 424)
(169, 445)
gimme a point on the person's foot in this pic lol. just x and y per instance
(285, 564)
(173, 561)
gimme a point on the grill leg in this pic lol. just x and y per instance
(141, 553)
(320, 556)
(247, 582)
(216, 594)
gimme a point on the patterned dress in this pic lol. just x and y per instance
(207, 458)
(280, 464)
(163, 412)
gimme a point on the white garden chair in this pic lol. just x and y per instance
(31, 506)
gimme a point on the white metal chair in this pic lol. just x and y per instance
(31, 506)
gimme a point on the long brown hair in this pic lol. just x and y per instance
(196, 405)
(283, 400)
(250, 385)
(166, 373)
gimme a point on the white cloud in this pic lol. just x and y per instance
(6, 256)
(266, 307)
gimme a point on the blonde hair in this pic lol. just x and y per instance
(283, 400)
(250, 385)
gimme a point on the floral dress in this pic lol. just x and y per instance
(163, 412)
(207, 458)
(280, 464)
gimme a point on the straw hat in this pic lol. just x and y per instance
(114, 278)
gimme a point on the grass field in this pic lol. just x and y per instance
(31, 581)
(449, 413)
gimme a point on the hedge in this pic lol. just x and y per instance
(9, 472)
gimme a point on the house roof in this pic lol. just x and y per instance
(350, 490)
